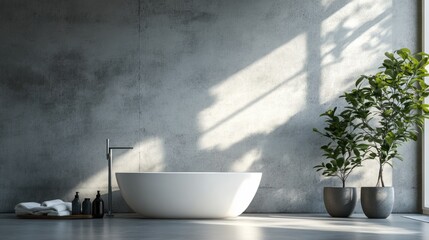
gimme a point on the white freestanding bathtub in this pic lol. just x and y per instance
(188, 194)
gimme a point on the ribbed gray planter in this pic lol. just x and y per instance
(339, 202)
(377, 202)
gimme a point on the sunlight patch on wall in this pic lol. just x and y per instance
(353, 42)
(257, 99)
(152, 155)
(123, 161)
(246, 161)
(369, 172)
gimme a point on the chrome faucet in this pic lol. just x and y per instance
(109, 156)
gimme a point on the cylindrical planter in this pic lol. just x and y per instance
(377, 202)
(339, 202)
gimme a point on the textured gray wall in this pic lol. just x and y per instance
(193, 86)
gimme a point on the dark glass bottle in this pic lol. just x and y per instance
(76, 208)
(86, 206)
(98, 206)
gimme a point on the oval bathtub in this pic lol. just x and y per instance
(188, 194)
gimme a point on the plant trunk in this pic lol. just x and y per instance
(344, 183)
(380, 177)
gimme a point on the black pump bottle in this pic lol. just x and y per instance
(98, 206)
(76, 207)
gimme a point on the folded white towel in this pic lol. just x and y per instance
(52, 203)
(35, 210)
(60, 213)
(48, 207)
(58, 204)
(26, 207)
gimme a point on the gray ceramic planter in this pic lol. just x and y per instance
(339, 202)
(377, 202)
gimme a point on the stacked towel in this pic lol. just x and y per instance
(56, 207)
(52, 203)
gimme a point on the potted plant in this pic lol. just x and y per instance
(388, 109)
(343, 152)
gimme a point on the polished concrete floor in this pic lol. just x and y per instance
(248, 227)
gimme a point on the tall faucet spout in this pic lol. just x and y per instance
(109, 156)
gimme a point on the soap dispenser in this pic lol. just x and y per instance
(98, 206)
(76, 207)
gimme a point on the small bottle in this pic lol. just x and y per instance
(98, 206)
(86, 206)
(76, 205)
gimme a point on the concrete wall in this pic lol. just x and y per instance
(192, 86)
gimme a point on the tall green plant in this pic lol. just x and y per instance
(343, 150)
(388, 107)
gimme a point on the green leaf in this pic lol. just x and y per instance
(359, 80)
(390, 137)
(389, 55)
